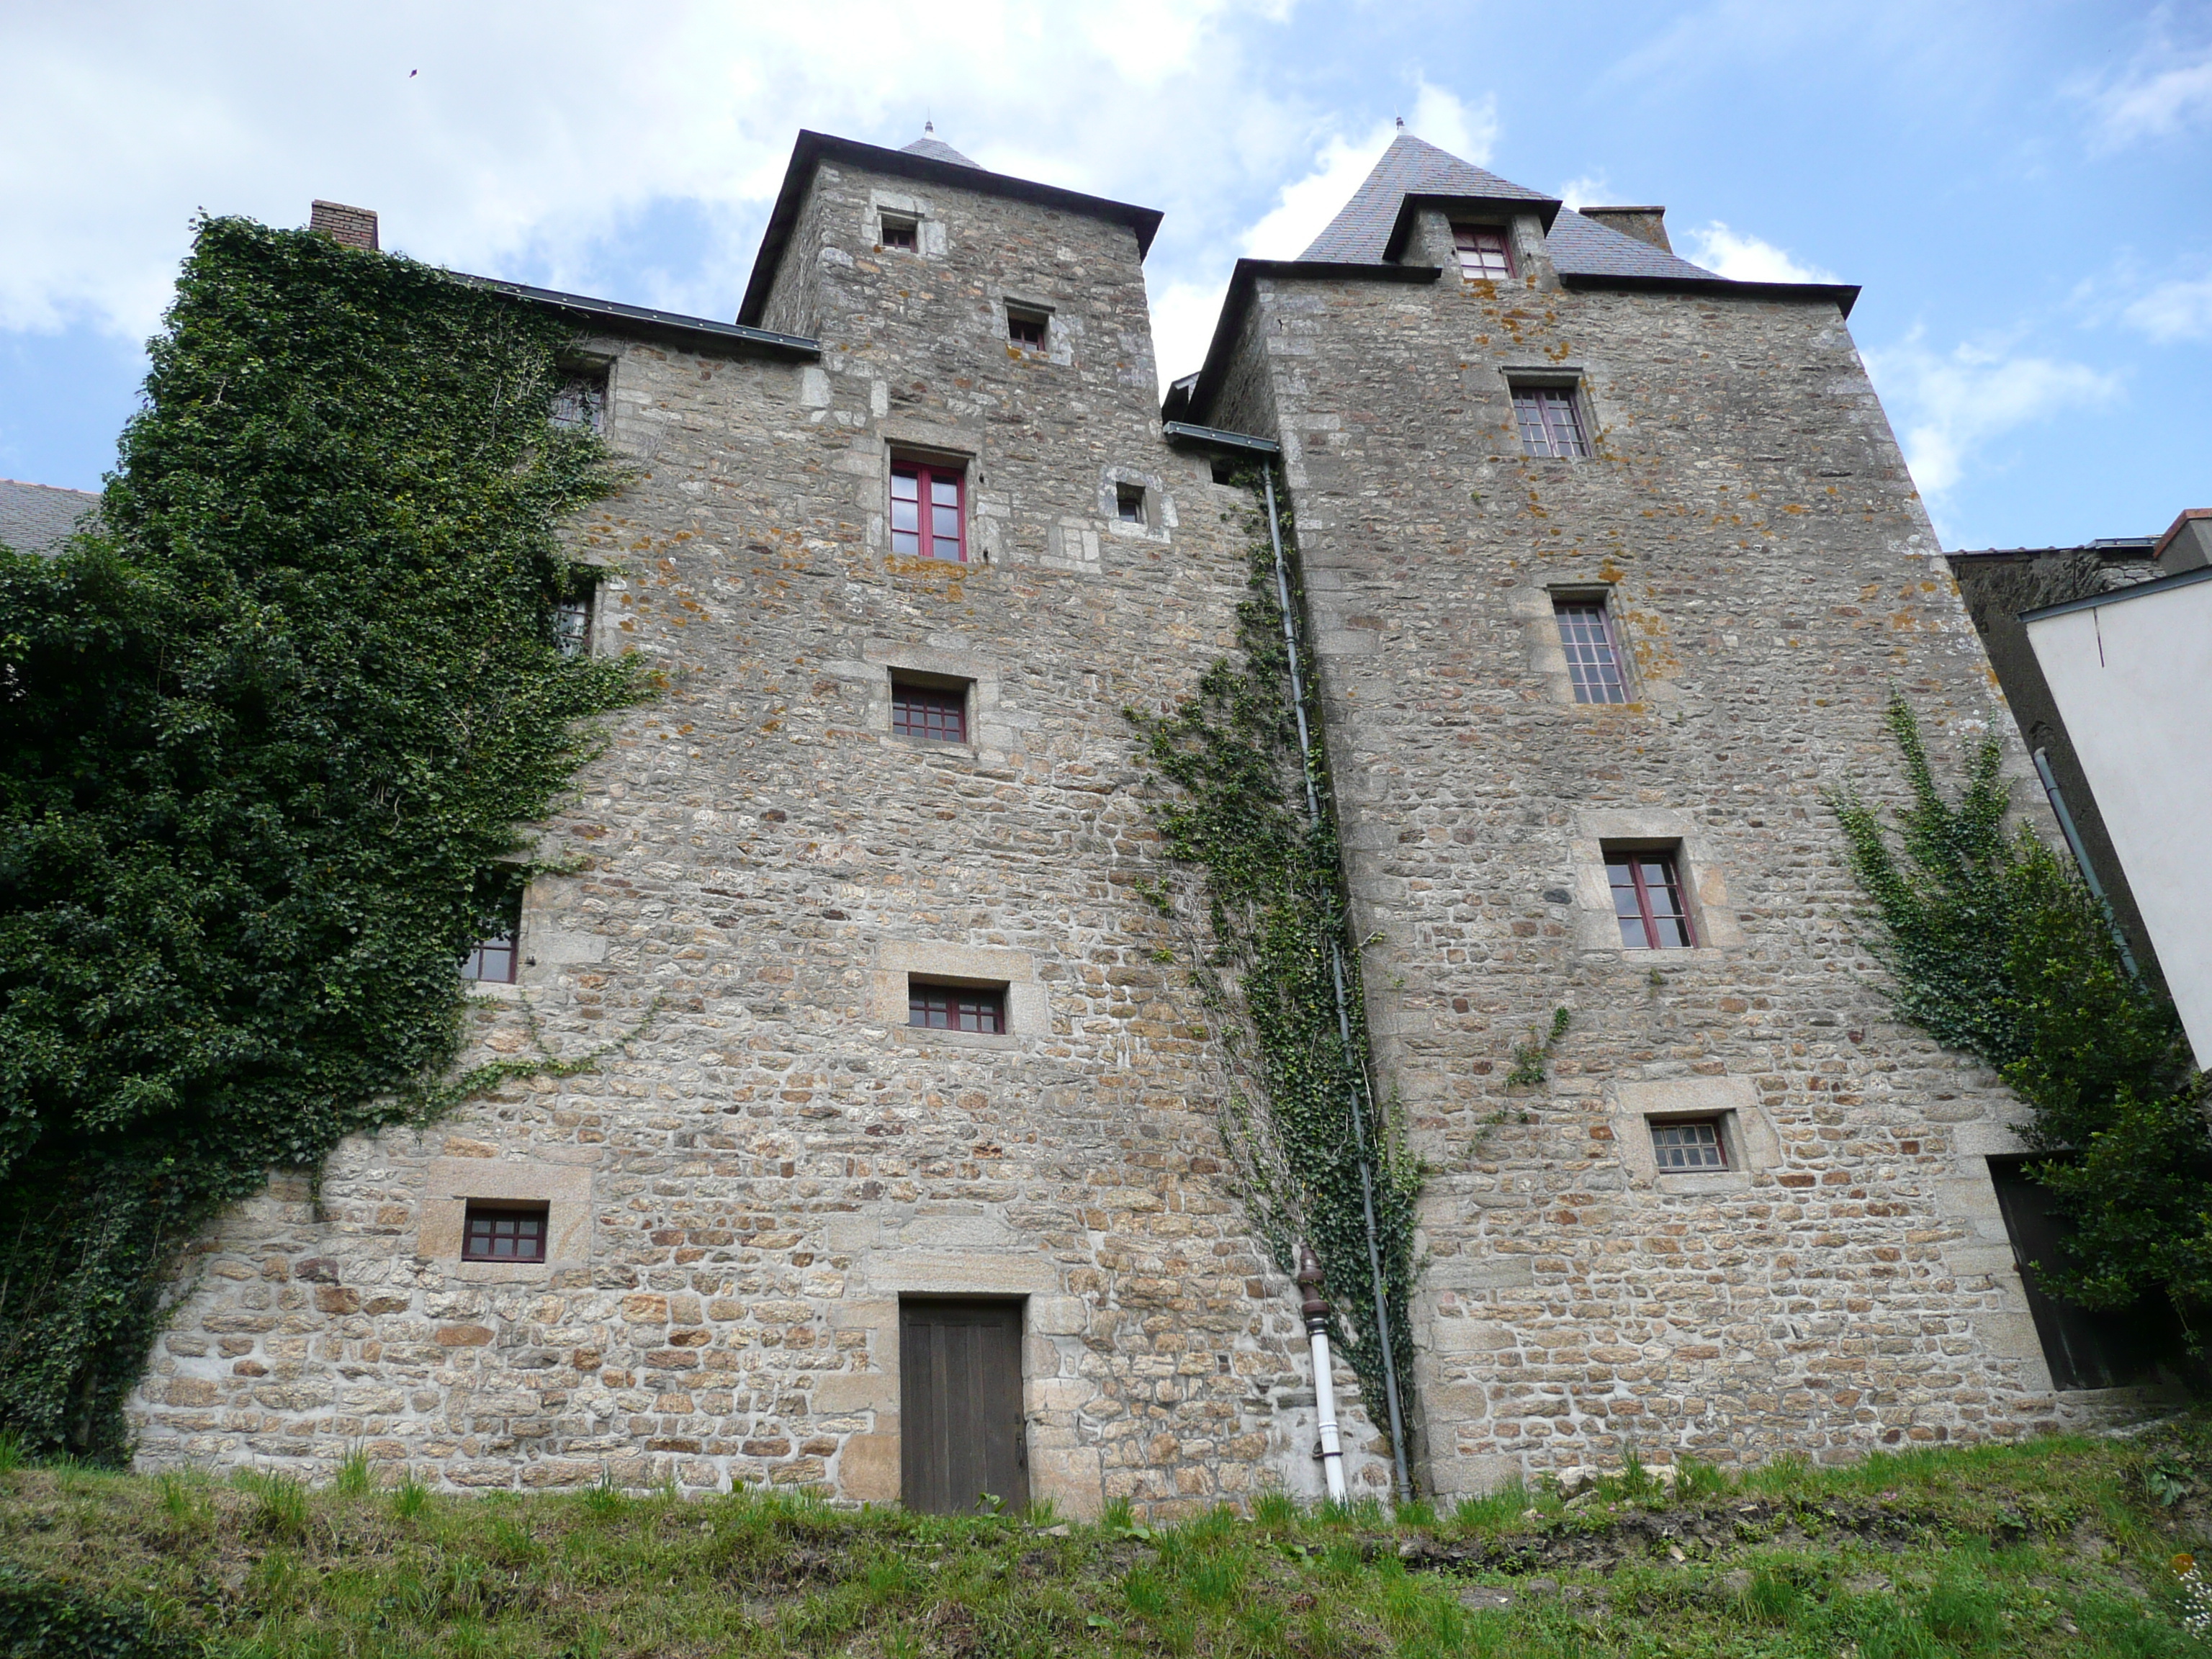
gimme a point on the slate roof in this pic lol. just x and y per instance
(38, 518)
(1360, 234)
(938, 151)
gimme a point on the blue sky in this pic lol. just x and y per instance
(2025, 189)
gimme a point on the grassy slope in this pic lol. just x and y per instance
(2062, 1546)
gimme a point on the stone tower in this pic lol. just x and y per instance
(901, 1108)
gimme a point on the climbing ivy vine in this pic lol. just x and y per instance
(1997, 948)
(1272, 878)
(265, 735)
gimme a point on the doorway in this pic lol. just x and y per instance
(961, 1432)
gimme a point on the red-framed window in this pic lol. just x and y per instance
(892, 231)
(1593, 657)
(1647, 898)
(1485, 252)
(929, 519)
(503, 1232)
(957, 1008)
(1026, 328)
(1689, 1143)
(936, 712)
(1551, 423)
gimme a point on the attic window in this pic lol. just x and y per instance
(1485, 254)
(1025, 328)
(898, 230)
(579, 402)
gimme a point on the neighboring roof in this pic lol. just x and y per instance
(2188, 516)
(928, 165)
(1365, 237)
(695, 330)
(2122, 595)
(40, 518)
(2107, 547)
(935, 148)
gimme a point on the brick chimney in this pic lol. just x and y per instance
(2187, 543)
(1645, 224)
(355, 227)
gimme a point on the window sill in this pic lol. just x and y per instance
(960, 1039)
(931, 745)
(1643, 959)
(496, 990)
(1703, 1182)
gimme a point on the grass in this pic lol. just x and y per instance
(2060, 1546)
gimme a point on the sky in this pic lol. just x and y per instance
(2024, 188)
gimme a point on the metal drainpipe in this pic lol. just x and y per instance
(1359, 1093)
(2082, 859)
(1315, 1309)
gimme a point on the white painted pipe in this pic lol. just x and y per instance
(1315, 1310)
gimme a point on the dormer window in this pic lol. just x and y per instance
(898, 230)
(1485, 254)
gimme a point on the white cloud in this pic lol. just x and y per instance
(472, 131)
(2164, 90)
(1745, 259)
(1183, 316)
(2179, 310)
(1951, 406)
(1306, 206)
(1578, 193)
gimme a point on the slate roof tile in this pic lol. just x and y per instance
(38, 518)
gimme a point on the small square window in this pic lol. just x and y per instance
(898, 231)
(928, 520)
(1026, 329)
(1551, 423)
(1593, 656)
(579, 403)
(1693, 1143)
(572, 626)
(504, 1232)
(1647, 900)
(1129, 502)
(981, 1008)
(1485, 252)
(938, 713)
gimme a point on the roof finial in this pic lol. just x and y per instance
(928, 125)
(1401, 124)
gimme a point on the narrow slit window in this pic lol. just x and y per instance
(1485, 253)
(1593, 655)
(1025, 329)
(1689, 1145)
(928, 521)
(1551, 423)
(504, 1232)
(1129, 502)
(895, 231)
(1647, 900)
(938, 713)
(957, 1008)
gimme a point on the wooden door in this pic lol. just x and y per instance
(2086, 1348)
(960, 1406)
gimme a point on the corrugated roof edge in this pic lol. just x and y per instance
(815, 147)
(641, 318)
(1206, 382)
(2120, 595)
(1843, 295)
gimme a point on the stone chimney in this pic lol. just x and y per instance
(2187, 543)
(355, 227)
(1645, 224)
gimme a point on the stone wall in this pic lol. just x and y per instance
(766, 1157)
(1847, 1284)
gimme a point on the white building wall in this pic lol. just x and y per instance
(2132, 675)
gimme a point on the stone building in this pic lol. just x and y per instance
(897, 1173)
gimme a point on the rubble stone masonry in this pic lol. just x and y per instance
(766, 1157)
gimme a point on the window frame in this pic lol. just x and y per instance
(944, 691)
(491, 1209)
(986, 999)
(574, 642)
(928, 471)
(1028, 317)
(1546, 394)
(908, 222)
(591, 386)
(1126, 494)
(1645, 916)
(1566, 601)
(1717, 1122)
(1460, 250)
(507, 942)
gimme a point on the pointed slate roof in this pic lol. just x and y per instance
(1413, 169)
(40, 518)
(936, 150)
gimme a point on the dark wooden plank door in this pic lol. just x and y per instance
(2086, 1348)
(960, 1406)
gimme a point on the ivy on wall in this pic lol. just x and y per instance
(1997, 948)
(265, 736)
(1272, 880)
